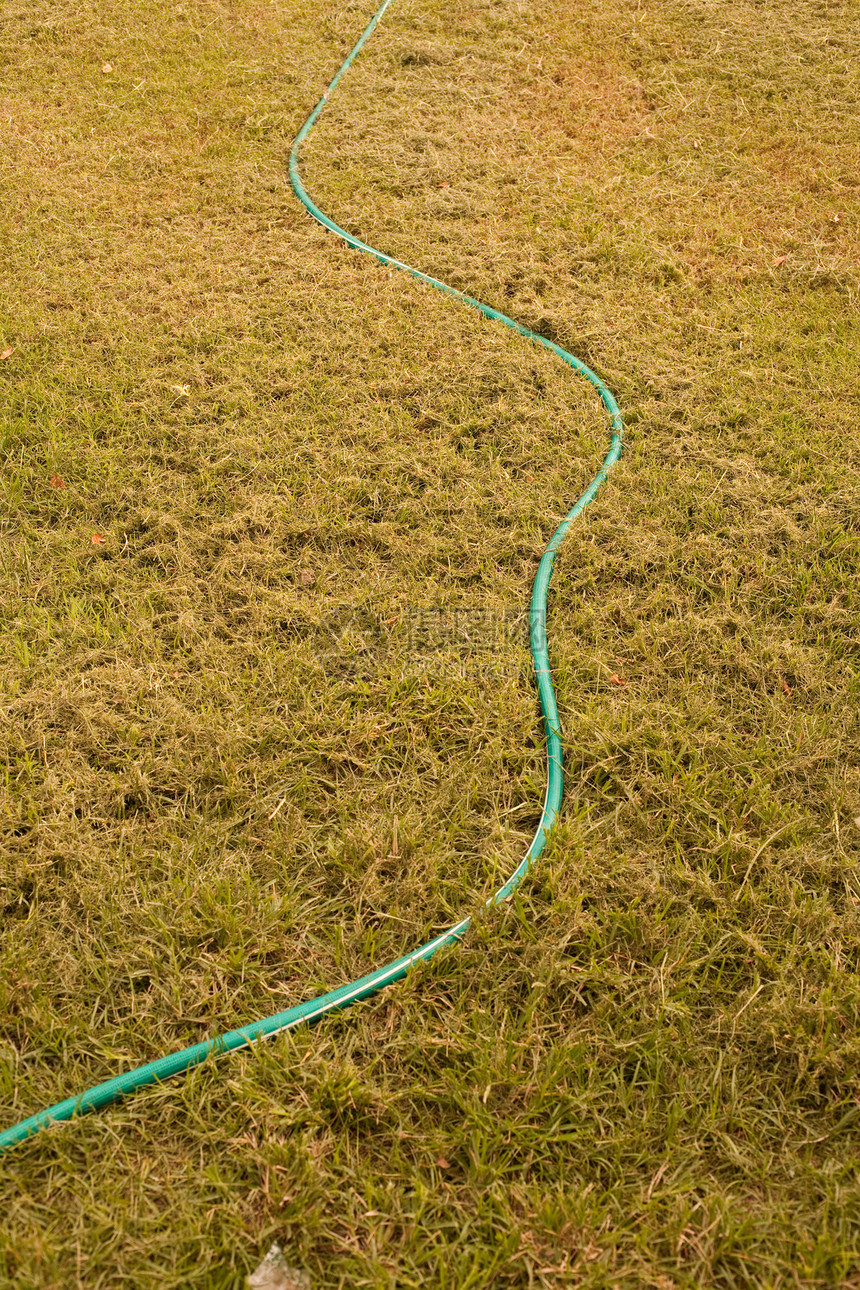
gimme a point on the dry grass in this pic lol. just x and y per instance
(244, 762)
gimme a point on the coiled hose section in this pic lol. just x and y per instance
(93, 1099)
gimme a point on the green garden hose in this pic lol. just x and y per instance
(175, 1063)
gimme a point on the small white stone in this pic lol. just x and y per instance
(275, 1274)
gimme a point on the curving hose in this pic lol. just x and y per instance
(175, 1063)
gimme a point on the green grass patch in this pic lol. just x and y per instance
(279, 726)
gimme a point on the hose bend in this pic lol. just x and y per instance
(176, 1063)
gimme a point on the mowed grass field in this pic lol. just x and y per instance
(279, 726)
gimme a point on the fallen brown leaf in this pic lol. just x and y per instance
(6, 352)
(780, 259)
(57, 481)
(615, 679)
(98, 539)
(786, 688)
(106, 67)
(443, 1163)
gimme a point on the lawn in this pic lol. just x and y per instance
(270, 518)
